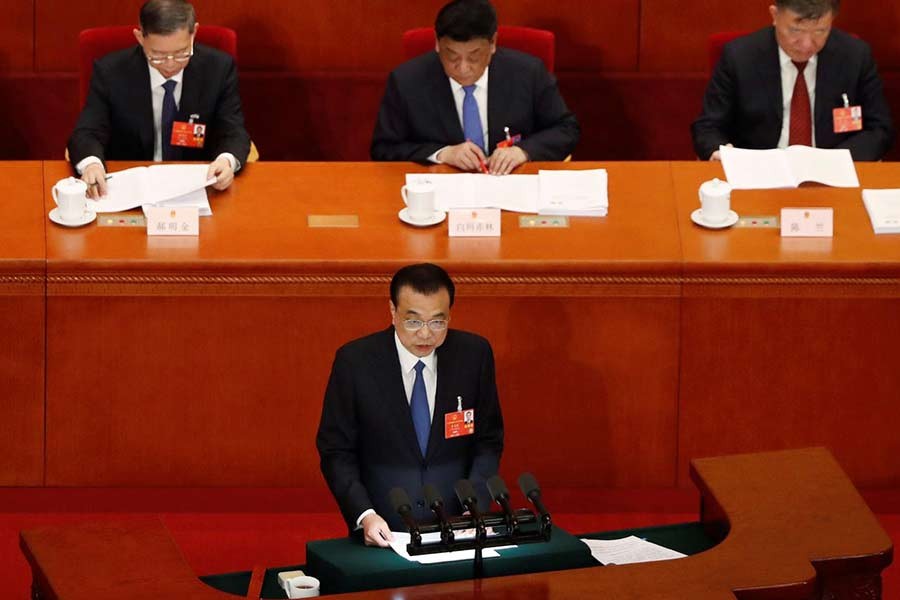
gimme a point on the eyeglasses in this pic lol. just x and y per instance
(179, 58)
(417, 324)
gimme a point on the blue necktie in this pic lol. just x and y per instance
(168, 117)
(471, 118)
(418, 405)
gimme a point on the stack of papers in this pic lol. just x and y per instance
(883, 207)
(787, 168)
(402, 539)
(573, 193)
(581, 193)
(629, 550)
(156, 185)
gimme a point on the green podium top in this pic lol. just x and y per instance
(346, 565)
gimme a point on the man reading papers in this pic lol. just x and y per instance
(138, 96)
(780, 87)
(390, 403)
(455, 105)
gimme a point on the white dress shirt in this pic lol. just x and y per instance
(481, 96)
(788, 79)
(408, 362)
(157, 93)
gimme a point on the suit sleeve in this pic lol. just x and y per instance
(713, 127)
(391, 139)
(229, 122)
(877, 136)
(488, 426)
(92, 131)
(337, 443)
(556, 131)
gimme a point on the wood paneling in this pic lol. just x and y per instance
(356, 35)
(22, 292)
(17, 37)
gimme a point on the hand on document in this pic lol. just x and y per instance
(466, 156)
(504, 160)
(375, 531)
(94, 176)
(222, 171)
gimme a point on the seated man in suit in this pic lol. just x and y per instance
(387, 399)
(137, 94)
(779, 86)
(452, 105)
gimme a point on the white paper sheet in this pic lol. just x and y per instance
(883, 207)
(518, 193)
(573, 193)
(629, 550)
(135, 187)
(401, 539)
(771, 169)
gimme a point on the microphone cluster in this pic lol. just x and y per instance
(510, 526)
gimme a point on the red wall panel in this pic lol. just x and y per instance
(292, 35)
(17, 36)
(674, 34)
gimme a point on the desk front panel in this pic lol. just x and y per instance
(171, 357)
(789, 342)
(22, 325)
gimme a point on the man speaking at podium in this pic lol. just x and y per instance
(395, 409)
(140, 94)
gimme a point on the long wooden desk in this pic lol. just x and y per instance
(792, 525)
(202, 361)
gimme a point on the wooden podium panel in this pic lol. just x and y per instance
(22, 290)
(203, 361)
(791, 523)
(791, 341)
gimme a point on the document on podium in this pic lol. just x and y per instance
(402, 539)
(156, 185)
(573, 193)
(787, 168)
(631, 549)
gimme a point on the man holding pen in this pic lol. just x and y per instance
(453, 105)
(143, 99)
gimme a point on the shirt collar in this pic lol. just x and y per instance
(481, 83)
(408, 360)
(785, 60)
(156, 78)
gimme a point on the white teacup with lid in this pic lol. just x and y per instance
(715, 201)
(70, 195)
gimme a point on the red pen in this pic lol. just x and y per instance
(481, 162)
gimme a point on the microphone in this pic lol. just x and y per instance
(500, 494)
(436, 504)
(402, 505)
(529, 486)
(469, 499)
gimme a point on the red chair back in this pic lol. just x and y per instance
(716, 43)
(100, 41)
(537, 42)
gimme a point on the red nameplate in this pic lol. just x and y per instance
(459, 423)
(847, 119)
(188, 135)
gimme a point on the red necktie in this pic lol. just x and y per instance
(801, 117)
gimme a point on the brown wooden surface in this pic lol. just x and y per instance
(791, 341)
(798, 529)
(22, 293)
(210, 355)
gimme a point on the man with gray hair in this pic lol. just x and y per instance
(797, 82)
(143, 99)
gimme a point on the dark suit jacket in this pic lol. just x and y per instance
(366, 439)
(744, 106)
(117, 120)
(418, 115)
